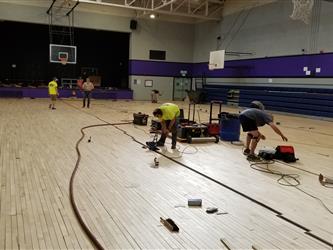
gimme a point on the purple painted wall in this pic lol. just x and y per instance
(286, 66)
(64, 93)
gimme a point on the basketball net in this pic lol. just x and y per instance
(302, 10)
(63, 61)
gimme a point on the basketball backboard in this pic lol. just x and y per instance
(216, 59)
(59, 52)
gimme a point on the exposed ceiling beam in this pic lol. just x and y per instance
(166, 3)
(190, 15)
(220, 8)
(180, 5)
(114, 5)
(155, 6)
(130, 3)
(200, 5)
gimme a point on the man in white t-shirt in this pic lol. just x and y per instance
(87, 87)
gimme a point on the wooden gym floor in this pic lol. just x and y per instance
(121, 195)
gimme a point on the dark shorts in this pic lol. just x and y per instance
(53, 97)
(247, 123)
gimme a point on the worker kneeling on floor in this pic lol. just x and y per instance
(168, 114)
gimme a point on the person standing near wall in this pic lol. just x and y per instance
(250, 120)
(168, 113)
(87, 87)
(79, 82)
(154, 95)
(53, 92)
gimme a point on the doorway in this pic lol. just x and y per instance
(180, 85)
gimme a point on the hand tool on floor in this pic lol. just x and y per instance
(194, 202)
(169, 224)
(225, 243)
(211, 210)
(156, 162)
(325, 180)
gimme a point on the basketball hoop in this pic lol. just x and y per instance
(302, 10)
(216, 59)
(63, 61)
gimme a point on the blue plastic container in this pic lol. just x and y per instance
(229, 127)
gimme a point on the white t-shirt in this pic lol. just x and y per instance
(88, 86)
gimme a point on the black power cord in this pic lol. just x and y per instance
(283, 180)
(285, 177)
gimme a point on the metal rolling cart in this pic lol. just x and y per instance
(191, 131)
(213, 127)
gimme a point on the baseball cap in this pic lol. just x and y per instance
(257, 105)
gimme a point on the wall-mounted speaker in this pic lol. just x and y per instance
(133, 24)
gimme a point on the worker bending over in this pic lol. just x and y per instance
(251, 119)
(168, 114)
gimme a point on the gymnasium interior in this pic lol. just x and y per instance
(93, 178)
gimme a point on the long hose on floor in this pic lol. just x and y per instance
(85, 228)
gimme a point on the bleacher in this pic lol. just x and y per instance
(305, 101)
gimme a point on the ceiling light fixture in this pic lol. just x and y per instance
(152, 16)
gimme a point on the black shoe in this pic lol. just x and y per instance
(173, 147)
(159, 144)
(152, 146)
(53, 108)
(246, 151)
(253, 158)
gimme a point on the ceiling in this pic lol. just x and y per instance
(188, 11)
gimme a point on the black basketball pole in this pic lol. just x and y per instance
(77, 3)
(48, 11)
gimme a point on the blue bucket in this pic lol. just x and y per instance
(230, 127)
